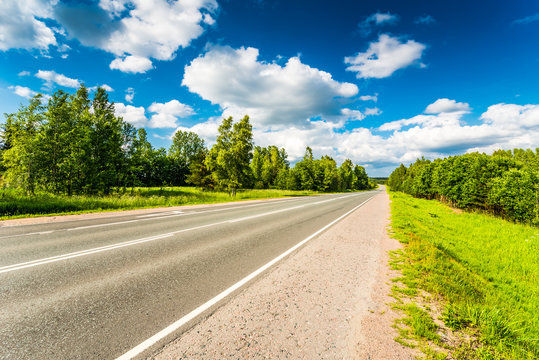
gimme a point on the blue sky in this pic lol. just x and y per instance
(379, 82)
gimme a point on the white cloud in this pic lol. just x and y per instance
(353, 114)
(132, 64)
(104, 86)
(208, 20)
(503, 126)
(207, 130)
(107, 88)
(51, 77)
(380, 18)
(369, 97)
(384, 57)
(23, 91)
(167, 114)
(20, 27)
(154, 29)
(135, 31)
(269, 93)
(133, 115)
(24, 73)
(372, 111)
(446, 105)
(512, 116)
(129, 94)
(114, 7)
(377, 19)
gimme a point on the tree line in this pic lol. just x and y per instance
(76, 145)
(505, 183)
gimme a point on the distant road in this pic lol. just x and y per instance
(96, 288)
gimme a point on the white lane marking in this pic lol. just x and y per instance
(137, 350)
(56, 258)
(101, 225)
(77, 254)
(264, 214)
(161, 214)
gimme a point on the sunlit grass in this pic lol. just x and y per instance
(485, 269)
(14, 204)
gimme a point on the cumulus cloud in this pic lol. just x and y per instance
(272, 95)
(51, 77)
(23, 91)
(133, 115)
(21, 27)
(104, 86)
(353, 114)
(207, 130)
(131, 64)
(372, 111)
(445, 112)
(129, 94)
(431, 135)
(376, 19)
(369, 97)
(136, 31)
(512, 116)
(166, 114)
(446, 105)
(384, 57)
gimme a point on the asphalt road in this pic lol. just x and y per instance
(94, 289)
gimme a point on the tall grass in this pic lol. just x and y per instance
(15, 204)
(485, 270)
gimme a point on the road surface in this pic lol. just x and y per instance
(97, 288)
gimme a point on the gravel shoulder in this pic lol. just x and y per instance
(326, 301)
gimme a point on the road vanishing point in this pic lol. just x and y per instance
(121, 287)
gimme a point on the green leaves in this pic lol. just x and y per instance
(506, 183)
(229, 159)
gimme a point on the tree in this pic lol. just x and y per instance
(229, 159)
(106, 141)
(186, 147)
(19, 158)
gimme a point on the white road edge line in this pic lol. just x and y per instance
(207, 305)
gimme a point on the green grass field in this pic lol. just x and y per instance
(481, 271)
(14, 204)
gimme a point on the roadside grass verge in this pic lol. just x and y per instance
(470, 282)
(14, 204)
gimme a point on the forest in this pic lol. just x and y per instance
(505, 183)
(74, 145)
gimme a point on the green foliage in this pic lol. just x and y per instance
(228, 160)
(269, 167)
(505, 183)
(485, 269)
(74, 145)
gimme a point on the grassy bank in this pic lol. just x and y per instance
(470, 284)
(14, 204)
